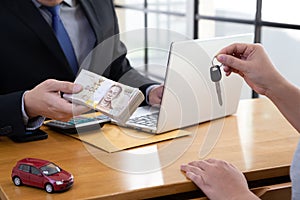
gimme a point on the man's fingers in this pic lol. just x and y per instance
(155, 95)
(63, 86)
(231, 61)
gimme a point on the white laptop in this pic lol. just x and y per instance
(190, 96)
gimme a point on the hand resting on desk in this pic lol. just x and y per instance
(218, 179)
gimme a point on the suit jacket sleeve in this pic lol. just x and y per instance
(11, 118)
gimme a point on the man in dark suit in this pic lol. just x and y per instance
(34, 68)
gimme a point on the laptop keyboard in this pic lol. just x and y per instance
(146, 120)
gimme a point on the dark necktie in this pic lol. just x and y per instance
(63, 37)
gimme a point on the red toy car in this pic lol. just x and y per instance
(42, 174)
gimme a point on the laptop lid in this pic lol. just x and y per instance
(190, 96)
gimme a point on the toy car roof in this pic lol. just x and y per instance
(34, 162)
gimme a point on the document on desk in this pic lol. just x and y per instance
(116, 100)
(113, 138)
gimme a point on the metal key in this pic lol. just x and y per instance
(216, 75)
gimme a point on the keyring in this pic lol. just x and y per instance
(212, 62)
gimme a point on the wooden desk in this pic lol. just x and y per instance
(258, 140)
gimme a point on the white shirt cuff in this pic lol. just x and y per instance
(31, 124)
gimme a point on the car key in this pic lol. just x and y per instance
(216, 75)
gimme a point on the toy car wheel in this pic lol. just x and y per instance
(17, 181)
(49, 188)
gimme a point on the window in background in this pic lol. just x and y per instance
(130, 19)
(284, 52)
(209, 28)
(229, 8)
(177, 6)
(281, 11)
(154, 14)
(213, 12)
(135, 3)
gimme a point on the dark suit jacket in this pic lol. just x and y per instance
(30, 54)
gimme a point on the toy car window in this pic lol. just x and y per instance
(24, 168)
(35, 171)
(50, 169)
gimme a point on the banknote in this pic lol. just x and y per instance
(116, 100)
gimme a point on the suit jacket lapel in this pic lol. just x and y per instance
(31, 16)
(93, 17)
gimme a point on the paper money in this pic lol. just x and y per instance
(116, 100)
